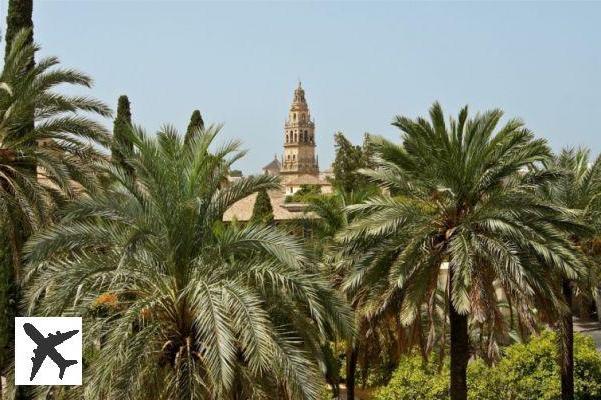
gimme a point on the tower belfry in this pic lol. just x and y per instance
(299, 139)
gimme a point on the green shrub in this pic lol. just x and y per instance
(587, 369)
(525, 372)
(304, 194)
(530, 371)
(484, 382)
(416, 380)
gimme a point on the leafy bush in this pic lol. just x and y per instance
(526, 372)
(303, 195)
(587, 369)
(530, 371)
(262, 210)
(416, 380)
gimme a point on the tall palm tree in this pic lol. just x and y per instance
(332, 217)
(578, 188)
(176, 303)
(461, 206)
(326, 215)
(63, 144)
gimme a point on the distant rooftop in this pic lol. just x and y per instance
(242, 210)
(274, 165)
(307, 180)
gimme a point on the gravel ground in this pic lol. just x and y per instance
(590, 328)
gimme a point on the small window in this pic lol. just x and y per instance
(286, 138)
(293, 157)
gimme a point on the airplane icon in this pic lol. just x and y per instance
(46, 347)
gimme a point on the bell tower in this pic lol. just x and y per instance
(299, 140)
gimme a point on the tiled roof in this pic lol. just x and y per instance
(307, 180)
(274, 165)
(242, 210)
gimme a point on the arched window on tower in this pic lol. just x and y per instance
(311, 138)
(306, 137)
(294, 117)
(293, 157)
(286, 138)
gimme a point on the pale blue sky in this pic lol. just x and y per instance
(360, 63)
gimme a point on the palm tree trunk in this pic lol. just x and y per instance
(365, 371)
(420, 337)
(510, 305)
(351, 369)
(365, 363)
(459, 353)
(400, 340)
(567, 346)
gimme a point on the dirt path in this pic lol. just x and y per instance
(590, 328)
(359, 394)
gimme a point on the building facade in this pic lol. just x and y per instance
(297, 168)
(299, 140)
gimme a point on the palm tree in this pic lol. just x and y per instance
(461, 206)
(44, 164)
(578, 188)
(325, 216)
(178, 304)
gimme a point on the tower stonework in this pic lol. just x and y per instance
(299, 140)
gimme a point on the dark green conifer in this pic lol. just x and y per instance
(349, 159)
(196, 124)
(262, 210)
(19, 16)
(122, 146)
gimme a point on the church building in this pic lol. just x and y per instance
(299, 140)
(299, 164)
(297, 167)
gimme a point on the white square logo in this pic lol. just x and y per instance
(48, 350)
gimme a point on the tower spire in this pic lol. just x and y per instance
(299, 138)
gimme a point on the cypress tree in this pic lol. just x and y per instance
(19, 16)
(122, 147)
(262, 210)
(196, 124)
(349, 158)
(368, 151)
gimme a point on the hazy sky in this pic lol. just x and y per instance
(360, 63)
